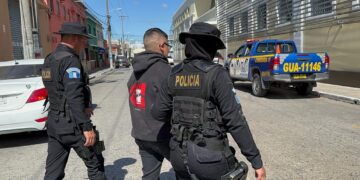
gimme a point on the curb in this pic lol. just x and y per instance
(337, 97)
(99, 73)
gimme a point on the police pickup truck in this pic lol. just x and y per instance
(269, 63)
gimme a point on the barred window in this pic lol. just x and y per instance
(261, 16)
(231, 26)
(244, 22)
(319, 7)
(285, 11)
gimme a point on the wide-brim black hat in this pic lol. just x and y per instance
(203, 30)
(72, 28)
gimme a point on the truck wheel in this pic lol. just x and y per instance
(304, 89)
(257, 88)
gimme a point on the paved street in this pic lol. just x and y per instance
(300, 138)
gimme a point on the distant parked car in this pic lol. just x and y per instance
(218, 59)
(22, 95)
(122, 61)
(170, 60)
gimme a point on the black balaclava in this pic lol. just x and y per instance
(201, 48)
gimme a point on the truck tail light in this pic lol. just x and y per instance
(275, 63)
(37, 95)
(327, 61)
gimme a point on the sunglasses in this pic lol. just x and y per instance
(168, 45)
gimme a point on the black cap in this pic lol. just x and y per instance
(205, 30)
(73, 28)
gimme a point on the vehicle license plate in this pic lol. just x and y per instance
(299, 76)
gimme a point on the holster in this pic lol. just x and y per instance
(99, 146)
(238, 173)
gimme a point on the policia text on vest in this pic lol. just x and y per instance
(187, 81)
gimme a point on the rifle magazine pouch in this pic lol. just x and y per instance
(206, 163)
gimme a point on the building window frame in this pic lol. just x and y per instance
(284, 8)
(261, 16)
(231, 23)
(316, 11)
(244, 22)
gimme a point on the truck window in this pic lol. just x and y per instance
(240, 51)
(248, 50)
(261, 48)
(284, 47)
(287, 48)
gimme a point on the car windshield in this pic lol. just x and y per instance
(20, 71)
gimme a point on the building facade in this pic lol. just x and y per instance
(61, 11)
(95, 52)
(24, 25)
(189, 12)
(331, 26)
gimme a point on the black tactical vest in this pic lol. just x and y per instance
(52, 79)
(195, 117)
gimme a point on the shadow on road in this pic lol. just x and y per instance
(23, 139)
(116, 171)
(170, 175)
(274, 93)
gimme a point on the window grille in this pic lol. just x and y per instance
(319, 7)
(285, 11)
(244, 22)
(261, 16)
(231, 26)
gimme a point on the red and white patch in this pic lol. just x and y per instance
(137, 95)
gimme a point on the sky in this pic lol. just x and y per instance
(140, 15)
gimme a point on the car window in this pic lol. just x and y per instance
(247, 50)
(20, 71)
(240, 52)
(261, 48)
(287, 48)
(284, 47)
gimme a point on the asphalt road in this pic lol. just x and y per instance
(299, 138)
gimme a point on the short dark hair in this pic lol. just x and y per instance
(151, 31)
(152, 37)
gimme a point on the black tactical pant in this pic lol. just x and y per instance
(152, 155)
(205, 164)
(58, 154)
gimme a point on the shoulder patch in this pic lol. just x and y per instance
(73, 73)
(46, 74)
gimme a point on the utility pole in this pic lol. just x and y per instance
(122, 29)
(109, 34)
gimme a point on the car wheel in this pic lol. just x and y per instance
(257, 88)
(304, 89)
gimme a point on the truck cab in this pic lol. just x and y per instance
(270, 63)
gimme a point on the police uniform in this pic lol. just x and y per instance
(200, 98)
(65, 81)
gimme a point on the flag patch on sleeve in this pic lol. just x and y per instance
(73, 73)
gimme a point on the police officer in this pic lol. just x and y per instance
(69, 125)
(200, 99)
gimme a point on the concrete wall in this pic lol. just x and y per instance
(342, 42)
(5, 36)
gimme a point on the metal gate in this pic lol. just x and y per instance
(15, 24)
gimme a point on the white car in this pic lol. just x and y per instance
(22, 96)
(170, 60)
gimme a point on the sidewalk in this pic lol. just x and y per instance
(99, 73)
(339, 93)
